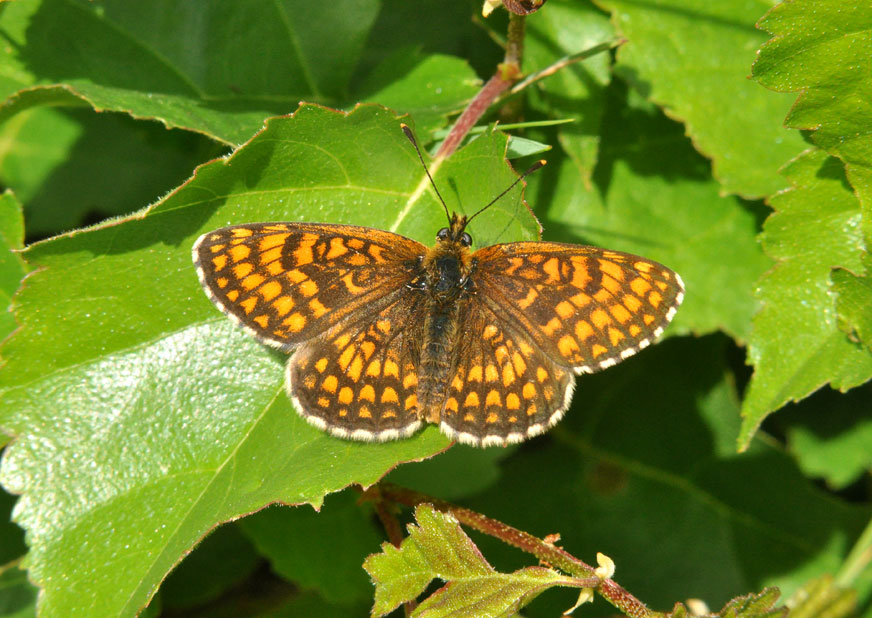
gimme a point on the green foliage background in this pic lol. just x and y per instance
(136, 419)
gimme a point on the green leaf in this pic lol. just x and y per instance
(17, 595)
(204, 69)
(796, 345)
(142, 413)
(654, 197)
(754, 606)
(644, 467)
(223, 559)
(576, 91)
(830, 434)
(854, 305)
(824, 51)
(693, 59)
(428, 87)
(319, 550)
(822, 598)
(11, 536)
(69, 166)
(12, 266)
(437, 548)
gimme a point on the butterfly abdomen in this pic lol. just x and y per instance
(440, 340)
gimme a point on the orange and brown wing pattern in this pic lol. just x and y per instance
(504, 389)
(359, 380)
(287, 282)
(584, 307)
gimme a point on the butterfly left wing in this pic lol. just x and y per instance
(584, 307)
(285, 283)
(359, 379)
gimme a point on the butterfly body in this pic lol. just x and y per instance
(445, 280)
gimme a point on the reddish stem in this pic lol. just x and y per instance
(507, 74)
(544, 551)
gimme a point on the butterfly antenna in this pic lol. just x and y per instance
(538, 164)
(411, 137)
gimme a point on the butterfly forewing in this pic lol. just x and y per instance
(288, 282)
(584, 307)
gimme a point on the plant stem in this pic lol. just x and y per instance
(544, 551)
(507, 74)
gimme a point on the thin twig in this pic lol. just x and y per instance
(544, 551)
(565, 62)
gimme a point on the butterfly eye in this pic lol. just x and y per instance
(465, 239)
(442, 234)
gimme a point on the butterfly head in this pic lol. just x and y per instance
(455, 233)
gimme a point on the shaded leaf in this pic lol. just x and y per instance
(143, 414)
(17, 595)
(796, 345)
(12, 266)
(203, 69)
(693, 59)
(319, 550)
(70, 167)
(437, 548)
(224, 559)
(426, 86)
(653, 196)
(830, 434)
(644, 466)
(577, 91)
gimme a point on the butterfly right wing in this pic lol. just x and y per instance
(585, 307)
(285, 283)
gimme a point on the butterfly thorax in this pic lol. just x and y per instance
(445, 279)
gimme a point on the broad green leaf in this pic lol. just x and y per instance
(320, 550)
(644, 467)
(427, 87)
(653, 196)
(830, 435)
(11, 536)
(796, 345)
(437, 548)
(578, 90)
(823, 50)
(222, 560)
(854, 305)
(67, 166)
(693, 59)
(458, 473)
(217, 68)
(17, 595)
(142, 416)
(12, 267)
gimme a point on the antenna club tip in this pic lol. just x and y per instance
(541, 162)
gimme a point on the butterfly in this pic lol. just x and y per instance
(388, 334)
